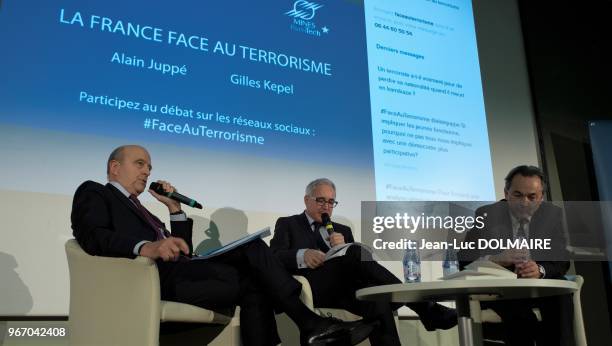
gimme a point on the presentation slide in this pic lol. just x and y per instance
(428, 119)
(236, 77)
(241, 104)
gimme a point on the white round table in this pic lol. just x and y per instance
(464, 291)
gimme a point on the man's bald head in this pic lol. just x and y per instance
(129, 165)
(118, 153)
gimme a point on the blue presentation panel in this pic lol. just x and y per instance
(386, 87)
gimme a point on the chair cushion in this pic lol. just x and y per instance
(180, 312)
(490, 316)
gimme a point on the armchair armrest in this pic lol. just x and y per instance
(307, 298)
(116, 301)
(306, 294)
(121, 292)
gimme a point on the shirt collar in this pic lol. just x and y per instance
(120, 188)
(515, 221)
(516, 225)
(310, 219)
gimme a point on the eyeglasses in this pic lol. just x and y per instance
(321, 201)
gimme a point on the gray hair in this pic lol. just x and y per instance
(321, 181)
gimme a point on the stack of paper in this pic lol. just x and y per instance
(232, 245)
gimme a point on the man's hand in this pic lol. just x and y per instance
(510, 257)
(314, 258)
(168, 249)
(528, 270)
(336, 239)
(173, 206)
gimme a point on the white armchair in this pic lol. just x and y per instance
(489, 316)
(307, 299)
(289, 333)
(116, 301)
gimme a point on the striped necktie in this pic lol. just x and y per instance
(157, 226)
(521, 230)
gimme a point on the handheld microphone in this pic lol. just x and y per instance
(327, 223)
(157, 187)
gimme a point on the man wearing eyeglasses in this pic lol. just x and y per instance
(109, 220)
(301, 242)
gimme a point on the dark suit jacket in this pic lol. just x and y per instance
(106, 223)
(545, 223)
(293, 233)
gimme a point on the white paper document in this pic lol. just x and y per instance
(337, 251)
(234, 244)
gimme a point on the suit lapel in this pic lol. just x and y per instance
(507, 229)
(538, 223)
(307, 228)
(304, 222)
(503, 227)
(126, 201)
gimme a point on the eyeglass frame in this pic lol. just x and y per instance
(332, 203)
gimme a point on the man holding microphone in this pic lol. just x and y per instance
(301, 242)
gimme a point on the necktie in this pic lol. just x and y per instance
(320, 242)
(521, 230)
(157, 226)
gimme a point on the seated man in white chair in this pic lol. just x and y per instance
(108, 220)
(301, 241)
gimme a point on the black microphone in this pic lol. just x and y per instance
(157, 187)
(327, 223)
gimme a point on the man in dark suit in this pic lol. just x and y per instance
(301, 242)
(110, 221)
(524, 215)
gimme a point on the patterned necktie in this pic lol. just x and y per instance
(320, 242)
(157, 226)
(521, 230)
